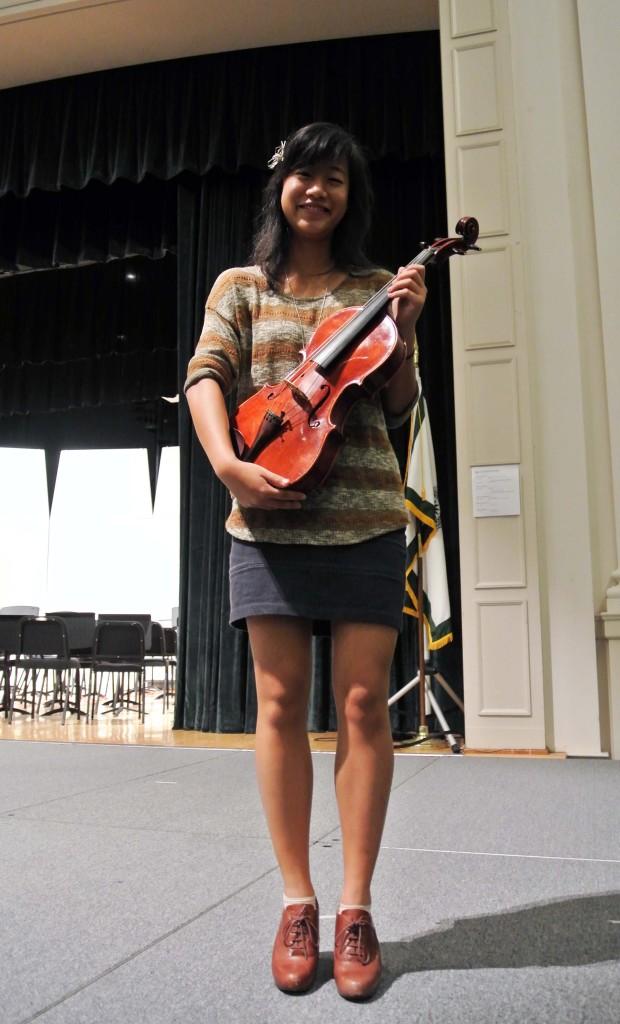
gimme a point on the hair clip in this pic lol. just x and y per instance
(278, 156)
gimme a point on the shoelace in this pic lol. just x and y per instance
(299, 932)
(352, 941)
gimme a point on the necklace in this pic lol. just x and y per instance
(322, 273)
(301, 326)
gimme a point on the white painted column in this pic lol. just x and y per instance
(567, 372)
(599, 31)
(503, 677)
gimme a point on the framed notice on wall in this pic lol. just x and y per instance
(495, 491)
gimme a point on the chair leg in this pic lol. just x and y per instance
(65, 706)
(12, 697)
(34, 692)
(78, 693)
(90, 694)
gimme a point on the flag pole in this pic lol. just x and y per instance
(422, 726)
(422, 733)
(415, 602)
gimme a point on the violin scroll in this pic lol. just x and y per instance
(442, 248)
(467, 228)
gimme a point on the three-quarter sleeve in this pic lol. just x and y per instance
(218, 351)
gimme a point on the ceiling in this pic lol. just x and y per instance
(44, 39)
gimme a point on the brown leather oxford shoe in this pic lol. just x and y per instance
(295, 955)
(357, 955)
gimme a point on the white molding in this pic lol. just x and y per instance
(472, 17)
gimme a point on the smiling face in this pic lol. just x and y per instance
(314, 199)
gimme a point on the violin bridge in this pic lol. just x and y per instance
(272, 425)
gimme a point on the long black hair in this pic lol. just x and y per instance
(315, 143)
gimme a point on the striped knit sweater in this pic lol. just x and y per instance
(253, 336)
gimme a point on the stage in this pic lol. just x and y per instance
(140, 885)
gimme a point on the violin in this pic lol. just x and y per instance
(296, 427)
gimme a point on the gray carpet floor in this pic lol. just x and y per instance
(139, 885)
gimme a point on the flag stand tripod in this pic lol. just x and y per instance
(425, 674)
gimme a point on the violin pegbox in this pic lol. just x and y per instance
(467, 230)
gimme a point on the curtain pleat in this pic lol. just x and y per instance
(98, 223)
(225, 111)
(215, 689)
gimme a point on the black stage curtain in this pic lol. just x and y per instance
(98, 223)
(216, 691)
(86, 142)
(214, 684)
(88, 337)
(225, 110)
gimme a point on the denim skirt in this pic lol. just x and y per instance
(362, 582)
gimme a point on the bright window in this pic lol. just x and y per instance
(108, 552)
(23, 527)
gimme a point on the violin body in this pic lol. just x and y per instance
(308, 409)
(296, 427)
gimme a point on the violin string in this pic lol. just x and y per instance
(377, 299)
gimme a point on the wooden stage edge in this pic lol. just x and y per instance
(158, 731)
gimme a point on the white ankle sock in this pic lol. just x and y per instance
(354, 906)
(290, 900)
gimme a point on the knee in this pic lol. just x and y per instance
(365, 707)
(284, 706)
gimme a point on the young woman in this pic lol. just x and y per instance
(335, 555)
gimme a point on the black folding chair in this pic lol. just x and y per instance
(118, 652)
(158, 656)
(9, 640)
(170, 634)
(142, 617)
(80, 632)
(43, 647)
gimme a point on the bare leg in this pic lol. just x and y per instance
(362, 654)
(281, 650)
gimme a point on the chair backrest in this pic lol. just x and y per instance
(157, 645)
(20, 609)
(43, 637)
(127, 617)
(170, 635)
(9, 633)
(119, 640)
(80, 629)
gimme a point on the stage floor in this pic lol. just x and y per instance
(157, 731)
(140, 885)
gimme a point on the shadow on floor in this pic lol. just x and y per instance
(562, 933)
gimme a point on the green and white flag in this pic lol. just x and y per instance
(424, 518)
